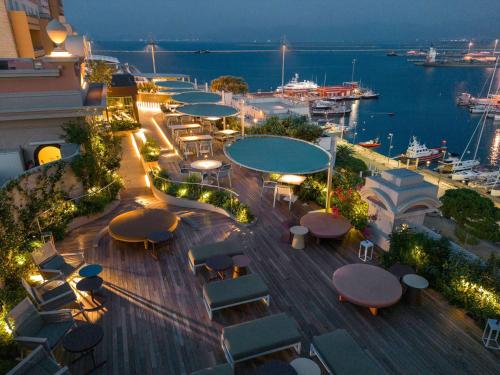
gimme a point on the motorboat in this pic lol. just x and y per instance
(323, 107)
(454, 164)
(467, 175)
(419, 151)
(369, 94)
(372, 143)
(298, 86)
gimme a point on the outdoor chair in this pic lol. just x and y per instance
(205, 148)
(285, 191)
(51, 264)
(267, 184)
(223, 172)
(32, 328)
(185, 168)
(52, 295)
(188, 149)
(39, 362)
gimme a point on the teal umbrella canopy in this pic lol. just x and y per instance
(274, 154)
(193, 97)
(175, 91)
(207, 110)
(173, 84)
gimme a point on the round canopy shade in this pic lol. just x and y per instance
(207, 110)
(274, 154)
(172, 84)
(176, 91)
(193, 97)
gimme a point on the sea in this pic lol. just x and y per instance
(423, 100)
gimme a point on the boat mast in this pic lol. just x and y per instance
(352, 74)
(283, 49)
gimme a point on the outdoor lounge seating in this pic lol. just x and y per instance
(32, 328)
(222, 294)
(258, 337)
(51, 264)
(198, 255)
(341, 355)
(224, 369)
(52, 295)
(39, 362)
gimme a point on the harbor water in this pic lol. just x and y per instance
(422, 99)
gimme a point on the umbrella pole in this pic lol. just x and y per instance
(331, 164)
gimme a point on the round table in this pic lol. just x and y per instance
(90, 285)
(219, 264)
(83, 339)
(275, 367)
(206, 164)
(298, 232)
(415, 284)
(135, 226)
(325, 225)
(240, 264)
(305, 366)
(367, 285)
(158, 237)
(90, 270)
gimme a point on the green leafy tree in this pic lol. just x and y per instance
(345, 159)
(99, 72)
(473, 213)
(236, 85)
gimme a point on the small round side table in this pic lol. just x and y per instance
(90, 270)
(298, 232)
(305, 366)
(83, 340)
(90, 285)
(415, 284)
(219, 264)
(240, 265)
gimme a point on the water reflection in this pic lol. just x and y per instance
(495, 148)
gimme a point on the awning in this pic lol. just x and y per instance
(192, 97)
(207, 110)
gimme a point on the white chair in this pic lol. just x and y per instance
(266, 184)
(365, 251)
(205, 148)
(224, 172)
(188, 149)
(491, 333)
(287, 193)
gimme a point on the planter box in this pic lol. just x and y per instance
(83, 220)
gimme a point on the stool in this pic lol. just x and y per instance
(298, 232)
(365, 252)
(491, 333)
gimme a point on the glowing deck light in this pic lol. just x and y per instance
(146, 178)
(134, 144)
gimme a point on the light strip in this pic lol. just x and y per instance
(134, 144)
(164, 136)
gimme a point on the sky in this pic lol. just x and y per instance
(298, 20)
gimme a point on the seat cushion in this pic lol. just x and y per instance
(54, 289)
(199, 254)
(30, 325)
(262, 335)
(224, 369)
(230, 291)
(54, 263)
(54, 332)
(343, 355)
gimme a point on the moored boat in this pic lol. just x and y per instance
(454, 164)
(372, 143)
(419, 152)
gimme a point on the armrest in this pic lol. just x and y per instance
(58, 275)
(79, 253)
(34, 341)
(54, 299)
(56, 316)
(46, 282)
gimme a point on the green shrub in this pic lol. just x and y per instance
(124, 125)
(150, 150)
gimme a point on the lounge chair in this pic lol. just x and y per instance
(341, 355)
(51, 264)
(222, 294)
(224, 369)
(198, 255)
(39, 362)
(52, 295)
(32, 328)
(255, 338)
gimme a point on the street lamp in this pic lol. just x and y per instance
(242, 112)
(151, 46)
(495, 47)
(391, 135)
(352, 73)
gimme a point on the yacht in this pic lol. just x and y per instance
(419, 151)
(298, 86)
(323, 107)
(467, 175)
(454, 164)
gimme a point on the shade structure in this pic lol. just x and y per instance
(176, 91)
(193, 97)
(274, 154)
(173, 84)
(207, 110)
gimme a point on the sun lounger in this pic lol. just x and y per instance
(222, 294)
(199, 254)
(340, 354)
(224, 369)
(259, 337)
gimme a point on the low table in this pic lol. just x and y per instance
(219, 264)
(298, 232)
(90, 270)
(90, 285)
(83, 340)
(415, 284)
(275, 367)
(305, 366)
(240, 264)
(325, 225)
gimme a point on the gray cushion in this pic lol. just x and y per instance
(30, 325)
(54, 289)
(54, 263)
(261, 335)
(343, 355)
(46, 366)
(225, 369)
(54, 332)
(199, 254)
(227, 292)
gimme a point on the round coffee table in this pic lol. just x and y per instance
(90, 285)
(325, 225)
(298, 232)
(240, 264)
(83, 340)
(305, 366)
(219, 264)
(90, 270)
(275, 367)
(206, 164)
(367, 285)
(415, 284)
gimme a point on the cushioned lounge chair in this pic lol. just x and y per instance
(52, 265)
(255, 338)
(52, 295)
(222, 294)
(341, 355)
(199, 254)
(39, 362)
(224, 369)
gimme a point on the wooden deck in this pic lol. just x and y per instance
(155, 321)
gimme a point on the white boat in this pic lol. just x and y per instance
(331, 127)
(453, 164)
(420, 151)
(369, 94)
(467, 175)
(298, 86)
(465, 99)
(322, 107)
